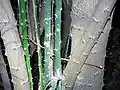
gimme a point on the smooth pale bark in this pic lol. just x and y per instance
(89, 38)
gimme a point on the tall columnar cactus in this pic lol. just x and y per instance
(23, 28)
(47, 41)
(58, 70)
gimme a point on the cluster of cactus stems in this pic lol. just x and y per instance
(52, 41)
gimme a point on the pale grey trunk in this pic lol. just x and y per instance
(85, 68)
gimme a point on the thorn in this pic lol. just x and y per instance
(83, 41)
(77, 62)
(25, 81)
(80, 78)
(92, 37)
(93, 52)
(34, 42)
(65, 59)
(106, 9)
(66, 85)
(3, 38)
(21, 24)
(17, 68)
(13, 81)
(95, 19)
(85, 54)
(25, 49)
(99, 67)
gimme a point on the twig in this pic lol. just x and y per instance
(35, 42)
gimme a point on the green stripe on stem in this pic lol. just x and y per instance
(38, 43)
(23, 27)
(58, 41)
(47, 41)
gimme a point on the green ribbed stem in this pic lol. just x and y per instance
(58, 69)
(23, 28)
(47, 38)
(34, 2)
